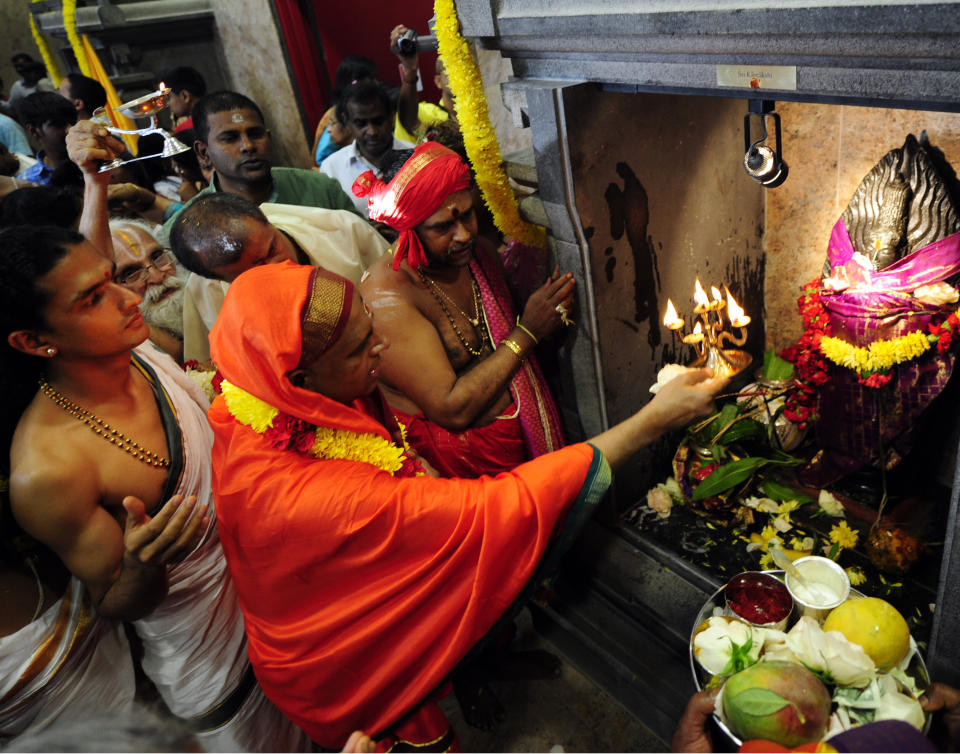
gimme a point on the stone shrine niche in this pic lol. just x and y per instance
(662, 198)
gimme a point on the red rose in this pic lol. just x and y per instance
(876, 380)
(944, 341)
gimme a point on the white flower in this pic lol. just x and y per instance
(715, 645)
(781, 524)
(762, 504)
(668, 373)
(937, 294)
(829, 504)
(672, 486)
(659, 499)
(830, 653)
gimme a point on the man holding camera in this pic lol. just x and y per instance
(414, 118)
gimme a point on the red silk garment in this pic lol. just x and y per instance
(490, 450)
(360, 591)
(416, 192)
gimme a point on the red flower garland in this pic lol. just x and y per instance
(808, 360)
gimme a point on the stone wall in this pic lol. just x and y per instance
(252, 50)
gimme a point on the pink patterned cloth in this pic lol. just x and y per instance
(539, 417)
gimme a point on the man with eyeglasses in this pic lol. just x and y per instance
(144, 267)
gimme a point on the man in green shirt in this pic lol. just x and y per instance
(232, 136)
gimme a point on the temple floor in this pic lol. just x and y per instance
(569, 713)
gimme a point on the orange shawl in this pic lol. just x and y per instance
(361, 591)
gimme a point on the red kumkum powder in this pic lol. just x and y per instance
(758, 598)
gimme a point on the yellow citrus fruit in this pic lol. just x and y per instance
(875, 625)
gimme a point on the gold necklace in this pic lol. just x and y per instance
(100, 427)
(475, 319)
(474, 322)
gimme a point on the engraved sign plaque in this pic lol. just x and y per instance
(758, 76)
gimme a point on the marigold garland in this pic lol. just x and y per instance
(883, 355)
(288, 433)
(70, 26)
(479, 138)
(53, 70)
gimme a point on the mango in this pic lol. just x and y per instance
(778, 701)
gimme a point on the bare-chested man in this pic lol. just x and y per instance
(460, 372)
(112, 433)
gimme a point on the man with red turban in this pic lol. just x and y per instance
(363, 582)
(461, 375)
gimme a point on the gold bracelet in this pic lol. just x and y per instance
(513, 346)
(533, 337)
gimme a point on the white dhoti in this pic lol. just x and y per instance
(195, 648)
(67, 664)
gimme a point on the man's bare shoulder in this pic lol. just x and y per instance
(382, 279)
(53, 481)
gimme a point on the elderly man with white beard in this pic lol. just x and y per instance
(146, 268)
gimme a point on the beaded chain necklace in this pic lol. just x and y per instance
(104, 430)
(439, 294)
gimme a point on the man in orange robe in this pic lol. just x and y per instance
(363, 581)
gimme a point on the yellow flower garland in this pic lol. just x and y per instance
(53, 70)
(479, 138)
(70, 26)
(879, 356)
(330, 444)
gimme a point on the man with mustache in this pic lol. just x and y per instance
(232, 136)
(144, 267)
(461, 374)
(366, 111)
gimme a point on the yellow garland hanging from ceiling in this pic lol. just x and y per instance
(53, 70)
(479, 138)
(70, 25)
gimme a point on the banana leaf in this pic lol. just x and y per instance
(727, 476)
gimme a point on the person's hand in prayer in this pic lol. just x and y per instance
(545, 310)
(167, 537)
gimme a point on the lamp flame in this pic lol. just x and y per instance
(737, 316)
(671, 319)
(696, 336)
(700, 296)
(161, 86)
(717, 296)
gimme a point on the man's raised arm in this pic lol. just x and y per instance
(417, 365)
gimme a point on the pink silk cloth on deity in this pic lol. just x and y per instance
(854, 419)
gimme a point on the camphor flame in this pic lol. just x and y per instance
(700, 296)
(737, 316)
(671, 319)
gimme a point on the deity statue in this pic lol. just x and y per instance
(889, 282)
